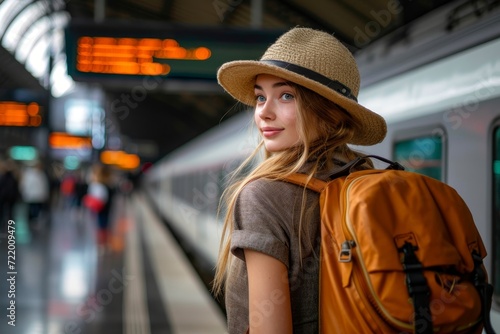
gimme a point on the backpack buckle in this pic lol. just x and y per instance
(345, 254)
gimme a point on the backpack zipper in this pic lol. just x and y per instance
(365, 285)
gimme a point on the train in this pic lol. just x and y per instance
(437, 84)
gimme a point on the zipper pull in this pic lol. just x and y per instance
(345, 253)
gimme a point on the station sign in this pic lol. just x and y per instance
(120, 159)
(62, 140)
(118, 50)
(14, 113)
(23, 153)
(133, 56)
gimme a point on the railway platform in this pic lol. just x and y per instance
(60, 281)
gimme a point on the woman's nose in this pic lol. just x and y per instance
(266, 111)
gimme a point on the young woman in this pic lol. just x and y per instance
(304, 90)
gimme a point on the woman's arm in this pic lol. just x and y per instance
(269, 295)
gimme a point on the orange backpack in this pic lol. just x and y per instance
(400, 253)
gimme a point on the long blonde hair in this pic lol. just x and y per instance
(324, 129)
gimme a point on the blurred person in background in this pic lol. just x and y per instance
(81, 187)
(35, 192)
(9, 191)
(68, 189)
(99, 200)
(74, 190)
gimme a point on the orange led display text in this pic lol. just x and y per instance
(62, 140)
(132, 56)
(120, 159)
(19, 114)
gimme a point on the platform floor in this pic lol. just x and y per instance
(59, 280)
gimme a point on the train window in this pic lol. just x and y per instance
(423, 155)
(496, 212)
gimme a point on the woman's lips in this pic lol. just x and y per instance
(270, 132)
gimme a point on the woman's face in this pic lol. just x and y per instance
(275, 112)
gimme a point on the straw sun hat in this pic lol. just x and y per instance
(315, 60)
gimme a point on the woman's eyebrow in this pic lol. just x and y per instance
(275, 85)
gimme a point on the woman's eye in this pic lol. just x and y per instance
(260, 98)
(287, 96)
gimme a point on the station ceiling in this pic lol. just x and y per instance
(173, 115)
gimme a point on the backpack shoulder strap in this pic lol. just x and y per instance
(350, 167)
(345, 169)
(301, 179)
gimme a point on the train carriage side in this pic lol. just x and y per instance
(186, 185)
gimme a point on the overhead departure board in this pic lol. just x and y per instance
(13, 113)
(119, 50)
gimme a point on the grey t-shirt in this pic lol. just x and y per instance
(266, 218)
